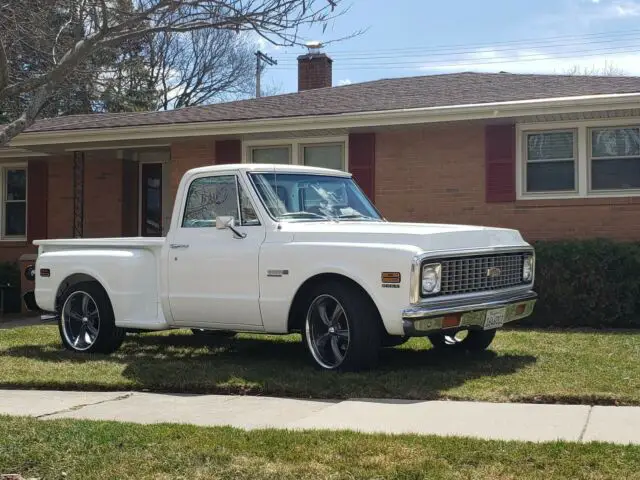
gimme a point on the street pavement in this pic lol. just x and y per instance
(496, 421)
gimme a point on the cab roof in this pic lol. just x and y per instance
(265, 167)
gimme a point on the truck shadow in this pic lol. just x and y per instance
(185, 363)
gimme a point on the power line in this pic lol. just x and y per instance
(471, 62)
(356, 60)
(261, 57)
(528, 42)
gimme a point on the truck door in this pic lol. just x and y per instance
(213, 274)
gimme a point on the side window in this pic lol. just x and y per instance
(247, 212)
(209, 198)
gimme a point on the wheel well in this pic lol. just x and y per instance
(298, 306)
(70, 281)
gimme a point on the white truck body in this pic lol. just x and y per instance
(203, 277)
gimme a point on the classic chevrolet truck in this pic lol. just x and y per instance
(280, 249)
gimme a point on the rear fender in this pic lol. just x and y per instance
(129, 276)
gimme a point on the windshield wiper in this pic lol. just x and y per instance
(356, 215)
(305, 214)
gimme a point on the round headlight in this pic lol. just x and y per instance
(431, 278)
(527, 269)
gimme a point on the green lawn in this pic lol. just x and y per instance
(521, 366)
(85, 450)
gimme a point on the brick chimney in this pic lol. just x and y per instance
(314, 68)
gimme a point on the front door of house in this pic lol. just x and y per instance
(151, 199)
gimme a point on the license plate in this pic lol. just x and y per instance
(495, 318)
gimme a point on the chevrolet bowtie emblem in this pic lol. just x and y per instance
(493, 272)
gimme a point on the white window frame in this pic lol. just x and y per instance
(167, 204)
(295, 145)
(526, 160)
(3, 168)
(583, 159)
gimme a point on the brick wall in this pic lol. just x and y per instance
(60, 223)
(437, 174)
(102, 195)
(189, 154)
(314, 71)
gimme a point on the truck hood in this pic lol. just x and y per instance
(426, 236)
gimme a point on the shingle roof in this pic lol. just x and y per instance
(389, 94)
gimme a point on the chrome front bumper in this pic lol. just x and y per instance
(426, 317)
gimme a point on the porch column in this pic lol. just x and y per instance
(130, 182)
(78, 194)
(37, 199)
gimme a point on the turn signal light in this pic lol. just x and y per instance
(45, 272)
(451, 321)
(520, 309)
(390, 277)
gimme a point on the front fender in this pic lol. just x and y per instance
(362, 263)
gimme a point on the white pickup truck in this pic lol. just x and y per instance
(279, 249)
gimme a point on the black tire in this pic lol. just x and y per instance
(360, 318)
(107, 337)
(475, 341)
(213, 333)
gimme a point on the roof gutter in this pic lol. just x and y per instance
(481, 111)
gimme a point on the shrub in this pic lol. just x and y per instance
(10, 276)
(587, 283)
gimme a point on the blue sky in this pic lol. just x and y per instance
(419, 37)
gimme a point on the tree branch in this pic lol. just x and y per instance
(4, 67)
(67, 63)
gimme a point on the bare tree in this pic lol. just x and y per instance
(201, 67)
(609, 70)
(90, 28)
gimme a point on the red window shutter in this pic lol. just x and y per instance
(362, 161)
(500, 163)
(37, 199)
(228, 151)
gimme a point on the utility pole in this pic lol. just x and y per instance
(261, 57)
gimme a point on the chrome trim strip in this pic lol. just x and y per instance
(449, 307)
(418, 259)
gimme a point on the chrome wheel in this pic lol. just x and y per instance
(327, 331)
(80, 320)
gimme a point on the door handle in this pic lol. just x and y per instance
(179, 245)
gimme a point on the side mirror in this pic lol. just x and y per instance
(222, 223)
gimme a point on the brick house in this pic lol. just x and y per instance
(553, 156)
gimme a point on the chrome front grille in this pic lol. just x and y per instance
(481, 273)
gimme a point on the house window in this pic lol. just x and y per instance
(14, 208)
(615, 158)
(588, 158)
(327, 152)
(324, 155)
(551, 161)
(275, 154)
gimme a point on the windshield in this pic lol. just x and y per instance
(294, 196)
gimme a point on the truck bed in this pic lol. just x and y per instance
(116, 242)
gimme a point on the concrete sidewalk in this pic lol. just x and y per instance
(506, 421)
